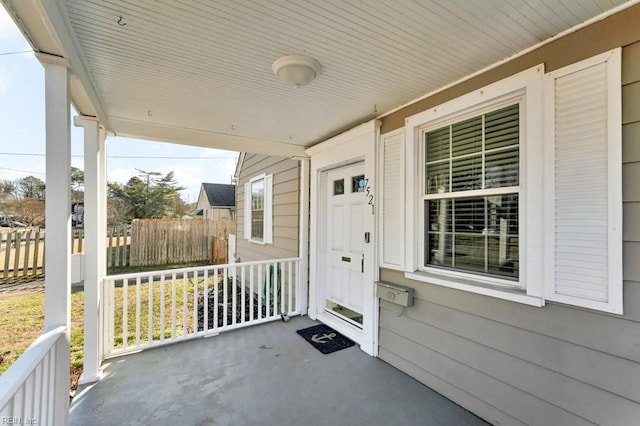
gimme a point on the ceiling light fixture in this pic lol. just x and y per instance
(296, 70)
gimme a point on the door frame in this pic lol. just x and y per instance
(354, 146)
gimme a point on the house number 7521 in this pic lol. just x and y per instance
(368, 195)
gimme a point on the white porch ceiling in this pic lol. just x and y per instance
(199, 72)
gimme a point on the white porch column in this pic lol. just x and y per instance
(95, 237)
(303, 250)
(102, 237)
(57, 310)
(58, 181)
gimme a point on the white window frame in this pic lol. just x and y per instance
(518, 99)
(267, 210)
(525, 87)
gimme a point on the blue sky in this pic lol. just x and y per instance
(22, 135)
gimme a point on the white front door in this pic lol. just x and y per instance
(346, 203)
(342, 224)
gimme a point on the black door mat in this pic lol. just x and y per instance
(325, 339)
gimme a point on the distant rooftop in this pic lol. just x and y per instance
(220, 194)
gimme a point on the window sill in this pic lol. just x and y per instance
(472, 286)
(262, 243)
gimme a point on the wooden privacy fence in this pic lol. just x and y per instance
(21, 255)
(175, 241)
(152, 242)
(219, 250)
(22, 252)
(118, 245)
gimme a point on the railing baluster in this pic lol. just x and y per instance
(137, 311)
(205, 301)
(225, 297)
(46, 379)
(52, 384)
(216, 283)
(261, 288)
(282, 287)
(251, 278)
(125, 313)
(150, 312)
(18, 402)
(273, 298)
(242, 295)
(36, 398)
(234, 307)
(163, 301)
(173, 306)
(28, 388)
(290, 287)
(112, 314)
(185, 297)
(196, 284)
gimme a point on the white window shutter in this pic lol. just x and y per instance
(583, 158)
(392, 193)
(247, 211)
(268, 209)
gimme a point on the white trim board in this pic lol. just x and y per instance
(358, 144)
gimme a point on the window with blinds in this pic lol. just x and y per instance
(471, 190)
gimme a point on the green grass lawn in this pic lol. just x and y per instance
(22, 321)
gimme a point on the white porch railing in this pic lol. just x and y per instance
(151, 309)
(35, 389)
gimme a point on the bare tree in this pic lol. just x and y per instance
(28, 210)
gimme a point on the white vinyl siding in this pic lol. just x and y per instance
(392, 200)
(584, 204)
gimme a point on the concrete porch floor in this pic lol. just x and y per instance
(262, 375)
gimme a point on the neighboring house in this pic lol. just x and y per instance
(481, 235)
(217, 201)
